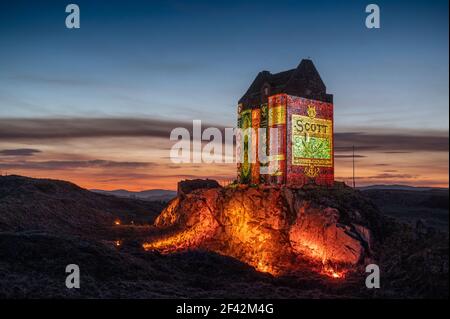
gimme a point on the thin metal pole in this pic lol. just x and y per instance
(353, 165)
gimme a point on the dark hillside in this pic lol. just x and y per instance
(61, 207)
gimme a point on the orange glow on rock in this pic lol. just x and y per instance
(254, 226)
(331, 272)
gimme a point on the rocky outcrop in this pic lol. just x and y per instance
(270, 228)
(190, 185)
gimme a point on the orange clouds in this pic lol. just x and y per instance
(134, 154)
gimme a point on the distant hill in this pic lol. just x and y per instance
(148, 195)
(60, 207)
(401, 187)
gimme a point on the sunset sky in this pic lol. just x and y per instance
(96, 105)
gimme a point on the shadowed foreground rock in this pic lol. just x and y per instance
(46, 225)
(273, 228)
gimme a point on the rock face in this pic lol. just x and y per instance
(271, 228)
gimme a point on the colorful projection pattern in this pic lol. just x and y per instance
(310, 142)
(263, 178)
(246, 122)
(255, 166)
(277, 138)
(299, 138)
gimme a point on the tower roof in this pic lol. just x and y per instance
(303, 81)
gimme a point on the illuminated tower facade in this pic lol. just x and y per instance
(296, 114)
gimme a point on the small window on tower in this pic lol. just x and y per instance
(266, 91)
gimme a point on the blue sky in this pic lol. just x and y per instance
(194, 59)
